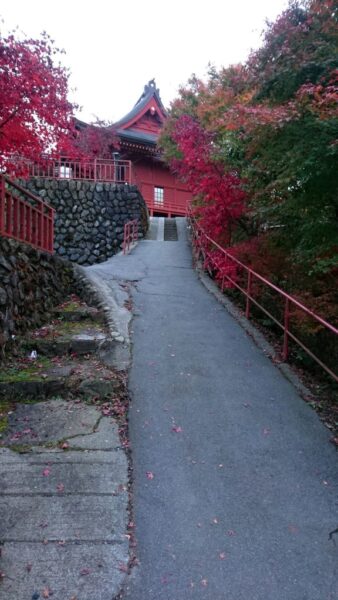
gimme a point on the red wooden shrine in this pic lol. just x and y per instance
(138, 133)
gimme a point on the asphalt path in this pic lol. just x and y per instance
(234, 475)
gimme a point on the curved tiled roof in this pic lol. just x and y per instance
(150, 91)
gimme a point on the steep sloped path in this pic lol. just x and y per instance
(234, 490)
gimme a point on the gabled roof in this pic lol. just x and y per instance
(149, 100)
(141, 127)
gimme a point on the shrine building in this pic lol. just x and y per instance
(138, 133)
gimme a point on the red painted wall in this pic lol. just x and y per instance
(150, 175)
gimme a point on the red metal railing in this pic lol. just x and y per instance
(25, 217)
(130, 235)
(228, 272)
(115, 171)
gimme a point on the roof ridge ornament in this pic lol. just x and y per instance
(150, 86)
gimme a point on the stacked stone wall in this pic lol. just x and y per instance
(90, 217)
(31, 284)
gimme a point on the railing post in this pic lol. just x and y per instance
(52, 230)
(8, 218)
(286, 329)
(125, 229)
(248, 291)
(2, 205)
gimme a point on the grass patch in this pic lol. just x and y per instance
(5, 408)
(70, 307)
(25, 370)
(61, 328)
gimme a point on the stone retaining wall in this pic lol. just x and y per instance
(31, 283)
(90, 216)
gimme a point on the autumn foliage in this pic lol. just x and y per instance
(258, 145)
(35, 113)
(258, 142)
(223, 197)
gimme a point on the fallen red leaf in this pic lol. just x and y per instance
(150, 475)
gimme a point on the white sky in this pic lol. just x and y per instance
(114, 47)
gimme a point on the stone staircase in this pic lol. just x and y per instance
(64, 484)
(65, 359)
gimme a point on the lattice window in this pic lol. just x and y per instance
(159, 196)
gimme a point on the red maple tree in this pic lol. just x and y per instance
(35, 113)
(224, 198)
(95, 140)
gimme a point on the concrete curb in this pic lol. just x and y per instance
(110, 299)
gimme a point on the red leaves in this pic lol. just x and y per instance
(224, 198)
(46, 472)
(96, 140)
(34, 111)
(150, 475)
(231, 532)
(64, 445)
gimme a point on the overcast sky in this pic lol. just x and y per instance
(114, 47)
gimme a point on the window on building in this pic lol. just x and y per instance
(159, 196)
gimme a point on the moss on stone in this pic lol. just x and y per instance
(29, 372)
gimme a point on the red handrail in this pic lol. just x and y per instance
(105, 170)
(206, 245)
(25, 217)
(130, 235)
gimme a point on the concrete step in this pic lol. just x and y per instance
(79, 314)
(48, 383)
(61, 338)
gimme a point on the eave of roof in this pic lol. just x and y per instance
(137, 136)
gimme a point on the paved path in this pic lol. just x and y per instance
(234, 492)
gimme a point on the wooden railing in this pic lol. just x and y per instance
(25, 217)
(105, 170)
(174, 200)
(232, 273)
(130, 235)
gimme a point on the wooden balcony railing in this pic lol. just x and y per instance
(105, 170)
(25, 217)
